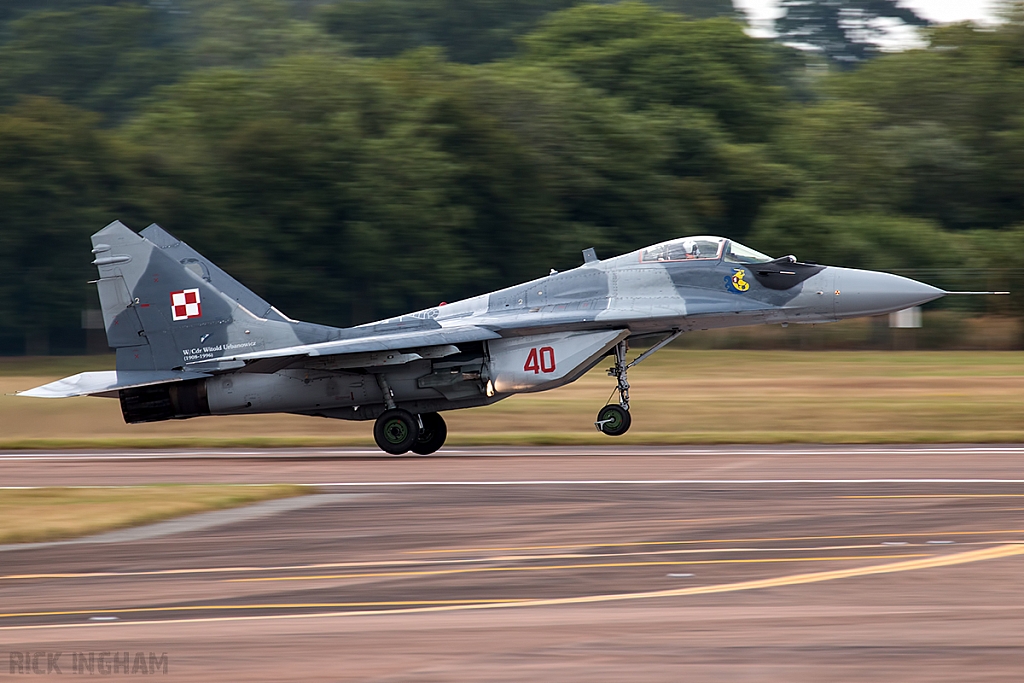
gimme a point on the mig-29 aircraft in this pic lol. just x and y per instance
(191, 340)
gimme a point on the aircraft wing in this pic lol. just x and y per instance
(109, 381)
(398, 341)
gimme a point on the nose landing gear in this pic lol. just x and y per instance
(614, 420)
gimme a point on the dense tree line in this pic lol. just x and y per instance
(346, 173)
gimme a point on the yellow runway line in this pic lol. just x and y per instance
(927, 511)
(295, 605)
(939, 495)
(513, 558)
(950, 560)
(203, 571)
(1008, 550)
(598, 544)
(599, 565)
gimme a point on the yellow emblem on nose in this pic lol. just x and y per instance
(738, 283)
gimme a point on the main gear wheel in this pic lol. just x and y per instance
(432, 436)
(395, 431)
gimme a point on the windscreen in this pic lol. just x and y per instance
(737, 253)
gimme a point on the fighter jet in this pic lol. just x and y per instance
(191, 341)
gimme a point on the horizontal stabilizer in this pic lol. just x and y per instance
(108, 381)
(385, 342)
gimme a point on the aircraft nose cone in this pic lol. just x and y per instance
(865, 292)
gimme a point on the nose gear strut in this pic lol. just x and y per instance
(614, 420)
(618, 371)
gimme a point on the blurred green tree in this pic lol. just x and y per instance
(59, 183)
(845, 31)
(648, 57)
(99, 58)
(953, 114)
(714, 92)
(12, 9)
(385, 186)
(347, 188)
(246, 33)
(471, 31)
(321, 167)
(854, 239)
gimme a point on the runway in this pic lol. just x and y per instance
(618, 564)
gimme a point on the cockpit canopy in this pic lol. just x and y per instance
(702, 248)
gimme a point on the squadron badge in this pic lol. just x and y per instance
(735, 282)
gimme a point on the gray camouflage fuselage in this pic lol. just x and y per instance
(237, 354)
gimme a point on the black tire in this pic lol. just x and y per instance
(614, 420)
(395, 431)
(432, 436)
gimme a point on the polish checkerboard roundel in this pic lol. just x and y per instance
(185, 304)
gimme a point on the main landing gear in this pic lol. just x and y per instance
(431, 436)
(614, 420)
(398, 431)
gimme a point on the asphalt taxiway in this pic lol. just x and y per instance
(509, 564)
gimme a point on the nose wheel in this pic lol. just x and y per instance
(613, 420)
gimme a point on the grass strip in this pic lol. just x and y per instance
(60, 512)
(679, 397)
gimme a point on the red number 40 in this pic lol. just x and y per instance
(540, 361)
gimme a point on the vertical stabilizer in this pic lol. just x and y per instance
(164, 305)
(206, 269)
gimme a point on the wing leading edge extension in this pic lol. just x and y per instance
(403, 341)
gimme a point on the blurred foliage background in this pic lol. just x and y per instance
(354, 159)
